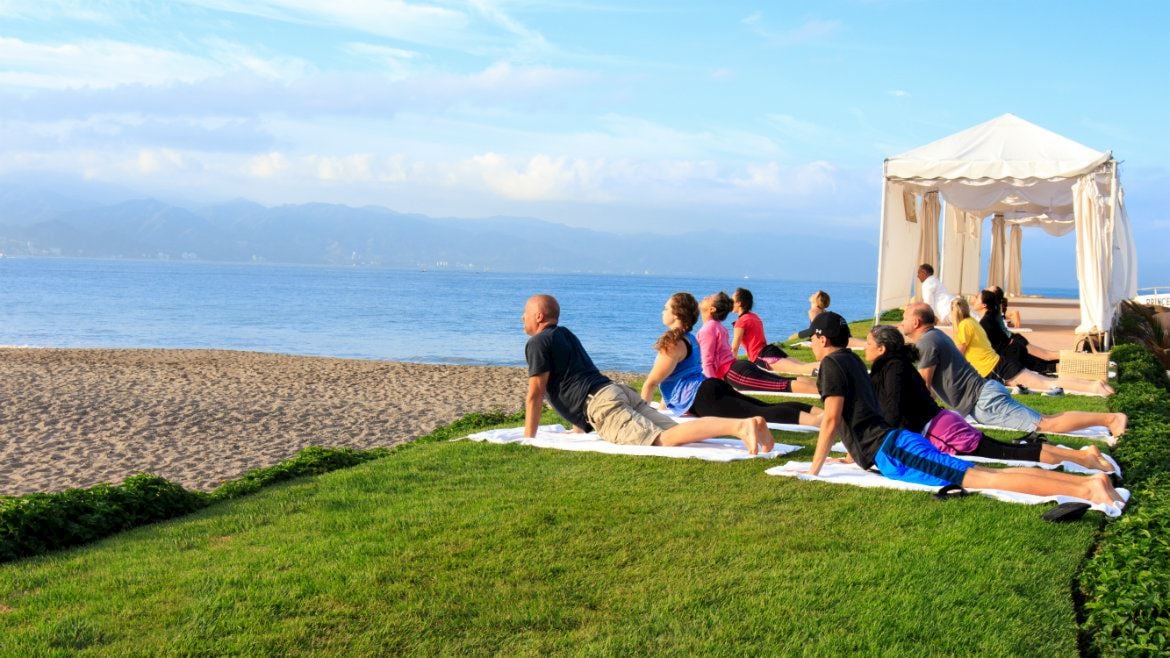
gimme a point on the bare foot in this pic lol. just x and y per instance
(747, 434)
(1103, 491)
(1096, 460)
(1117, 425)
(764, 438)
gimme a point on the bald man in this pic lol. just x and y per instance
(559, 368)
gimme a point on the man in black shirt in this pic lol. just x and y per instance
(559, 367)
(851, 409)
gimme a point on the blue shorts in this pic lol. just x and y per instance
(911, 457)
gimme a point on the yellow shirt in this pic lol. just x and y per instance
(979, 351)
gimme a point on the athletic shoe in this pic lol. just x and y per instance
(1054, 391)
(1020, 390)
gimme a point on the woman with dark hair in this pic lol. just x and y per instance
(720, 363)
(749, 332)
(992, 305)
(678, 373)
(906, 403)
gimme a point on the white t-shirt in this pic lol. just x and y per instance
(936, 295)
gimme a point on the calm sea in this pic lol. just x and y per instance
(430, 317)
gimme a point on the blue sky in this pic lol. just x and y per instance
(772, 118)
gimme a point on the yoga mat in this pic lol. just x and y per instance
(558, 438)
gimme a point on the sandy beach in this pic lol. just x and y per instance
(78, 417)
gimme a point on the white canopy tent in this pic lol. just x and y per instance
(1029, 176)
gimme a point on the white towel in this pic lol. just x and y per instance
(808, 344)
(1069, 467)
(853, 475)
(1093, 432)
(555, 436)
(780, 427)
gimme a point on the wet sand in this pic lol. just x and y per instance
(78, 417)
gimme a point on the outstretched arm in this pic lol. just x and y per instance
(834, 408)
(534, 403)
(736, 339)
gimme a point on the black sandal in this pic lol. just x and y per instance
(950, 491)
(1066, 512)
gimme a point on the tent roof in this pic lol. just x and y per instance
(1007, 147)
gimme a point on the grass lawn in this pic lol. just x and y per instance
(466, 548)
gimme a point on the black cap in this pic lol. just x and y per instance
(830, 325)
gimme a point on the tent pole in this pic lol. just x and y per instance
(877, 304)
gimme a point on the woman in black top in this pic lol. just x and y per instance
(1011, 345)
(905, 402)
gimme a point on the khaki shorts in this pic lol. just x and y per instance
(619, 415)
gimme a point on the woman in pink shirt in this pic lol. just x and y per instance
(719, 359)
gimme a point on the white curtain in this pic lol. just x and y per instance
(928, 230)
(962, 232)
(927, 237)
(896, 251)
(1014, 261)
(995, 268)
(1094, 254)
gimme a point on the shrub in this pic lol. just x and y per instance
(42, 522)
(1126, 583)
(313, 460)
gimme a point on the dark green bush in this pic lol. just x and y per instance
(40, 522)
(1126, 584)
(894, 315)
(313, 460)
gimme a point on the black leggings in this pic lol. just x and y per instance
(993, 449)
(716, 397)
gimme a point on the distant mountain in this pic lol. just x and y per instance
(48, 224)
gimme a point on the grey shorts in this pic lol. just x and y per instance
(996, 407)
(619, 415)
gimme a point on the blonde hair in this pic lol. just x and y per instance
(960, 310)
(819, 299)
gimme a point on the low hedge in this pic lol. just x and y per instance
(1126, 583)
(41, 522)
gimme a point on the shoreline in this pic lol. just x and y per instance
(77, 417)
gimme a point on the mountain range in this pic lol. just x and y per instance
(47, 223)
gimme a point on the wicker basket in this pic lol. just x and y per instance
(1084, 365)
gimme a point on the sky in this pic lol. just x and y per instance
(768, 119)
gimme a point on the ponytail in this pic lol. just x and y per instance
(669, 339)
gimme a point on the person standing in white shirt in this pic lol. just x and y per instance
(934, 293)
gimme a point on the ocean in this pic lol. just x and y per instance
(427, 317)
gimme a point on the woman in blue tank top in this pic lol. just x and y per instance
(678, 373)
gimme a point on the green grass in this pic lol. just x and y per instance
(465, 548)
(448, 548)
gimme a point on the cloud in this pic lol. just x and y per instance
(268, 165)
(104, 64)
(899, 93)
(95, 64)
(155, 161)
(811, 31)
(794, 128)
(244, 94)
(395, 63)
(424, 24)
